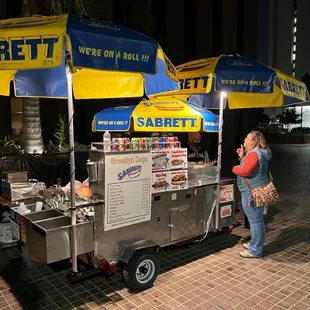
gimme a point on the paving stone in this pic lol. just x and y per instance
(206, 275)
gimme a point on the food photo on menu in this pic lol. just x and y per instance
(160, 160)
(160, 181)
(178, 179)
(177, 162)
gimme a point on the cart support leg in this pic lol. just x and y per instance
(219, 158)
(72, 167)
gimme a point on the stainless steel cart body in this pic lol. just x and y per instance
(176, 216)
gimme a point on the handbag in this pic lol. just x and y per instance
(264, 195)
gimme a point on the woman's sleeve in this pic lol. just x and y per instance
(251, 163)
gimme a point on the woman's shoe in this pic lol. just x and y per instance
(245, 239)
(246, 245)
(247, 254)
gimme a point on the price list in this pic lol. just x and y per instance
(135, 194)
(127, 189)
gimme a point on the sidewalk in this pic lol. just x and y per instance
(206, 275)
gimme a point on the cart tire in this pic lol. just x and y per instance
(141, 271)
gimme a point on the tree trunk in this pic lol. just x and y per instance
(32, 141)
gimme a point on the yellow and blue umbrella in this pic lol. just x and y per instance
(51, 56)
(112, 61)
(247, 82)
(159, 115)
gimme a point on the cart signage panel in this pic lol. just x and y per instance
(227, 193)
(127, 189)
(226, 211)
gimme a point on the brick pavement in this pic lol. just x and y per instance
(206, 275)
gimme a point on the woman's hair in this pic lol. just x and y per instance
(259, 140)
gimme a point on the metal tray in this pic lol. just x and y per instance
(42, 215)
(50, 239)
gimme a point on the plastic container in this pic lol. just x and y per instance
(22, 209)
(107, 141)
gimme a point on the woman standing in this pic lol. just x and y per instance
(254, 156)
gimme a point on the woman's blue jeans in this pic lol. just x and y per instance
(255, 216)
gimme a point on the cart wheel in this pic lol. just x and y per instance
(141, 271)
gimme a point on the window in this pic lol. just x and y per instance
(294, 39)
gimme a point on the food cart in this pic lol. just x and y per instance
(73, 57)
(129, 212)
(143, 196)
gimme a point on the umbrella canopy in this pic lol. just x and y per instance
(43, 54)
(32, 55)
(161, 114)
(247, 82)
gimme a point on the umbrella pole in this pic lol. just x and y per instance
(219, 159)
(72, 168)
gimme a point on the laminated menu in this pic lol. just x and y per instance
(178, 180)
(161, 160)
(161, 181)
(167, 159)
(178, 158)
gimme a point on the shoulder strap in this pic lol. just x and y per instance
(270, 176)
(246, 183)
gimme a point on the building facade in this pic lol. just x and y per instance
(289, 44)
(194, 29)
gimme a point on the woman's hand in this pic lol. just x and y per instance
(240, 151)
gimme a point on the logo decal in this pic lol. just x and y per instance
(239, 63)
(27, 47)
(123, 107)
(100, 24)
(132, 172)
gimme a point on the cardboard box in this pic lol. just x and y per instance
(16, 176)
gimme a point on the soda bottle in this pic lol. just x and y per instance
(107, 141)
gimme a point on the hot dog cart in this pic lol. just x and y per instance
(140, 204)
(142, 196)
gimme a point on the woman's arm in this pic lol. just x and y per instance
(251, 162)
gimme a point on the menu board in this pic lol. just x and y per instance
(127, 189)
(179, 158)
(164, 160)
(227, 193)
(161, 160)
